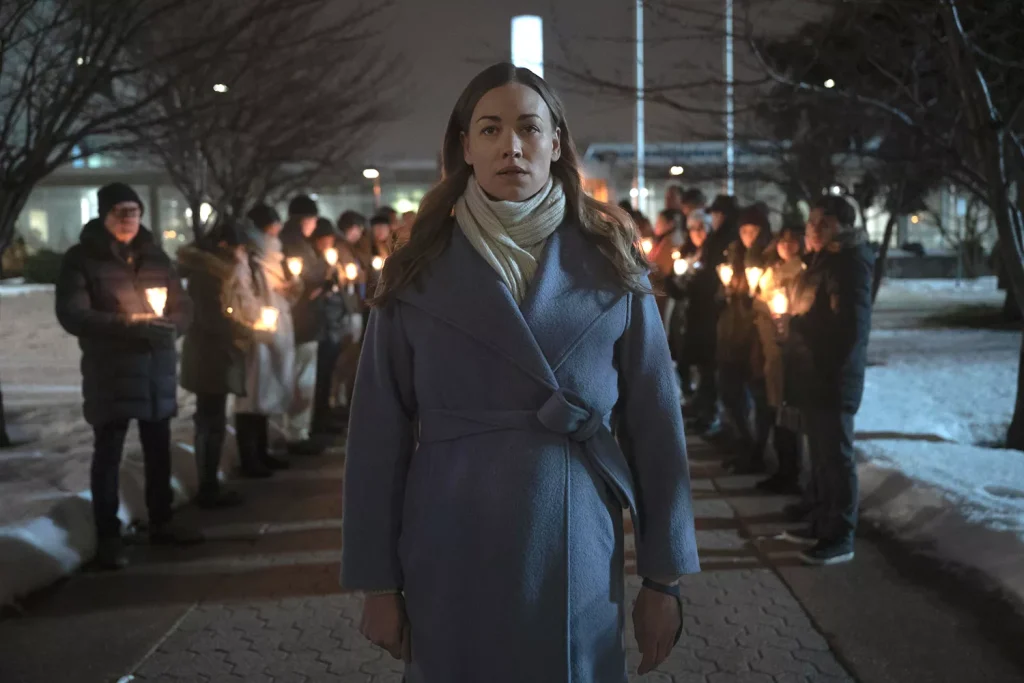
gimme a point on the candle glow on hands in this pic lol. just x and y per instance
(754, 277)
(295, 266)
(331, 256)
(351, 272)
(780, 304)
(157, 299)
(725, 273)
(268, 319)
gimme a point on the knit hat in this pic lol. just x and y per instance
(324, 228)
(303, 206)
(263, 216)
(114, 194)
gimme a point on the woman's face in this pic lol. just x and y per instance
(788, 247)
(717, 219)
(272, 230)
(748, 234)
(353, 234)
(381, 232)
(511, 142)
(697, 235)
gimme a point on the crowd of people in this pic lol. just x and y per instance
(272, 315)
(769, 334)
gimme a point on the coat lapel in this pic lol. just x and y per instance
(569, 295)
(462, 290)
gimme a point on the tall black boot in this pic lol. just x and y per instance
(261, 425)
(247, 434)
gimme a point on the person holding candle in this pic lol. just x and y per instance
(825, 355)
(333, 309)
(511, 340)
(129, 359)
(213, 355)
(270, 374)
(307, 318)
(773, 301)
(740, 356)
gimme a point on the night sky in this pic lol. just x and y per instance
(446, 42)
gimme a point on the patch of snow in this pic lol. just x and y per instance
(7, 290)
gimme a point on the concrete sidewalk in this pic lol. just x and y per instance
(260, 603)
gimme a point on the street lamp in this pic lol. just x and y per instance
(374, 175)
(676, 170)
(830, 84)
(221, 88)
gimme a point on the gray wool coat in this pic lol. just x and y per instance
(483, 478)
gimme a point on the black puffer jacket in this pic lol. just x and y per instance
(126, 373)
(307, 313)
(825, 354)
(699, 299)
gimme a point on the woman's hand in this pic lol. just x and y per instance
(656, 621)
(385, 625)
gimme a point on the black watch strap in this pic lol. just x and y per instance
(675, 593)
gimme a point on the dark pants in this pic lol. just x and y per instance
(737, 401)
(251, 432)
(705, 399)
(787, 449)
(106, 469)
(833, 473)
(211, 424)
(326, 359)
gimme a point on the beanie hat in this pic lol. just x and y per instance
(324, 228)
(232, 231)
(263, 216)
(302, 205)
(114, 194)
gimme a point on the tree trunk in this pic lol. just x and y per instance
(883, 255)
(1015, 435)
(11, 206)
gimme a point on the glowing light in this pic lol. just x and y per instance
(378, 262)
(268, 319)
(351, 272)
(830, 84)
(646, 244)
(528, 43)
(725, 273)
(295, 266)
(780, 304)
(157, 299)
(221, 88)
(331, 256)
(81, 61)
(754, 277)
(371, 173)
(676, 170)
(915, 219)
(837, 190)
(680, 266)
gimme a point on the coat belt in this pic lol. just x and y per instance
(563, 413)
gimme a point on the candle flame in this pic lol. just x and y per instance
(780, 304)
(351, 272)
(647, 245)
(680, 266)
(331, 256)
(754, 277)
(157, 299)
(725, 272)
(268, 319)
(295, 266)
(378, 262)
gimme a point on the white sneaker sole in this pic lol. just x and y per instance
(790, 538)
(825, 562)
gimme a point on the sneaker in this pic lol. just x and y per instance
(175, 533)
(804, 536)
(827, 553)
(110, 555)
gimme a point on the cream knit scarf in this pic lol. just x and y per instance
(510, 236)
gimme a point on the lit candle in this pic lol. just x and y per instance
(295, 266)
(753, 278)
(780, 304)
(680, 266)
(157, 299)
(676, 255)
(331, 256)
(725, 272)
(268, 319)
(378, 262)
(647, 245)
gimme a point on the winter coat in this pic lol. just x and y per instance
(698, 295)
(777, 278)
(333, 304)
(213, 354)
(307, 313)
(270, 363)
(825, 353)
(482, 476)
(127, 372)
(738, 344)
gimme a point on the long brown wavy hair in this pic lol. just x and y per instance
(610, 228)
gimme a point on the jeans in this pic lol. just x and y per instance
(833, 473)
(106, 469)
(326, 359)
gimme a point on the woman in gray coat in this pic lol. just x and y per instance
(515, 394)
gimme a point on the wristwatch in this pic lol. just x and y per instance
(674, 591)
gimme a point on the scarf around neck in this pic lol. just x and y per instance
(510, 236)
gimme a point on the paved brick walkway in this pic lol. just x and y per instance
(260, 603)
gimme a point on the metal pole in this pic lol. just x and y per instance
(730, 105)
(641, 161)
